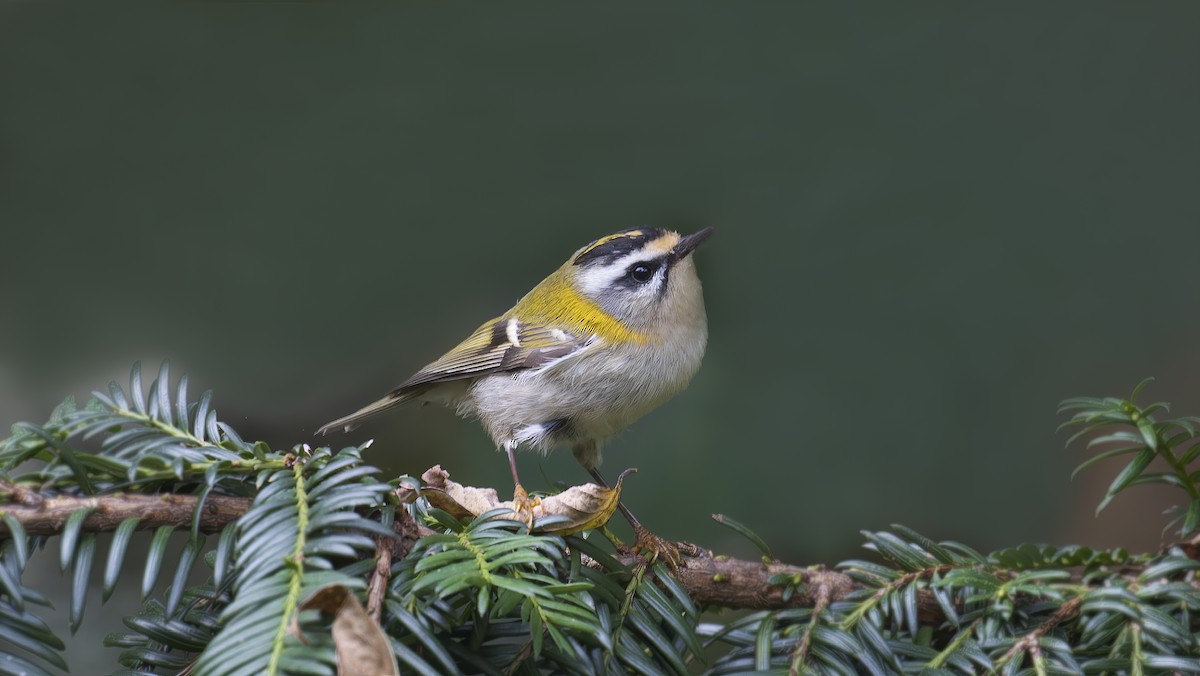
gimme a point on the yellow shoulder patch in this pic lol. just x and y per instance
(555, 303)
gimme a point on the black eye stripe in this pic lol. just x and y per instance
(611, 248)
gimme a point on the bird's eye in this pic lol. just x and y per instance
(641, 273)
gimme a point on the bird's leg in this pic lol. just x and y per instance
(645, 541)
(522, 504)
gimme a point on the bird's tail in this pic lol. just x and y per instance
(351, 421)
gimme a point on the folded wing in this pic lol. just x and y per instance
(502, 344)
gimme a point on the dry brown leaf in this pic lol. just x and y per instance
(362, 647)
(585, 507)
(460, 501)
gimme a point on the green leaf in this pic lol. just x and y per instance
(201, 418)
(224, 555)
(1168, 568)
(1149, 434)
(1119, 436)
(762, 644)
(1127, 475)
(430, 642)
(536, 630)
(1140, 386)
(407, 657)
(1111, 453)
(1191, 519)
(634, 656)
(1177, 663)
(935, 549)
(654, 637)
(1109, 605)
(682, 598)
(116, 396)
(965, 551)
(560, 639)
(19, 540)
(162, 387)
(198, 511)
(135, 388)
(187, 558)
(520, 586)
(154, 558)
(116, 555)
(745, 532)
(569, 588)
(33, 645)
(909, 598)
(1080, 402)
(68, 456)
(903, 553)
(10, 584)
(672, 617)
(181, 403)
(70, 537)
(595, 552)
(1160, 624)
(1087, 429)
(79, 587)
(971, 577)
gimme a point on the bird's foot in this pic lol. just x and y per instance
(523, 506)
(654, 548)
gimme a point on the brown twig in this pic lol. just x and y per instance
(379, 577)
(1031, 641)
(387, 549)
(736, 583)
(928, 610)
(23, 495)
(800, 652)
(47, 515)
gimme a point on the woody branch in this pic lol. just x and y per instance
(708, 579)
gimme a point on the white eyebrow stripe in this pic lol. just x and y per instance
(511, 331)
(596, 279)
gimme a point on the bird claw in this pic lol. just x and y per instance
(653, 547)
(523, 506)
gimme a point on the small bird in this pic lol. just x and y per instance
(615, 332)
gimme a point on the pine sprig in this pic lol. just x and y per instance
(303, 533)
(117, 443)
(482, 588)
(935, 607)
(1133, 429)
(144, 444)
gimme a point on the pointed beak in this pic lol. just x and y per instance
(688, 244)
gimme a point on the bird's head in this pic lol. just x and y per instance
(644, 277)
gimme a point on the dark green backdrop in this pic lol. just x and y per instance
(933, 223)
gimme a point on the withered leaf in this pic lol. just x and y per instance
(583, 507)
(362, 647)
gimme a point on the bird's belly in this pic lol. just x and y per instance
(551, 407)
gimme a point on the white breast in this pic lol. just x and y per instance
(601, 390)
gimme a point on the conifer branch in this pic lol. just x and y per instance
(715, 580)
(707, 578)
(48, 514)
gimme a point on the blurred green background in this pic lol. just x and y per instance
(933, 223)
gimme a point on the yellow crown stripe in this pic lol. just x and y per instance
(609, 238)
